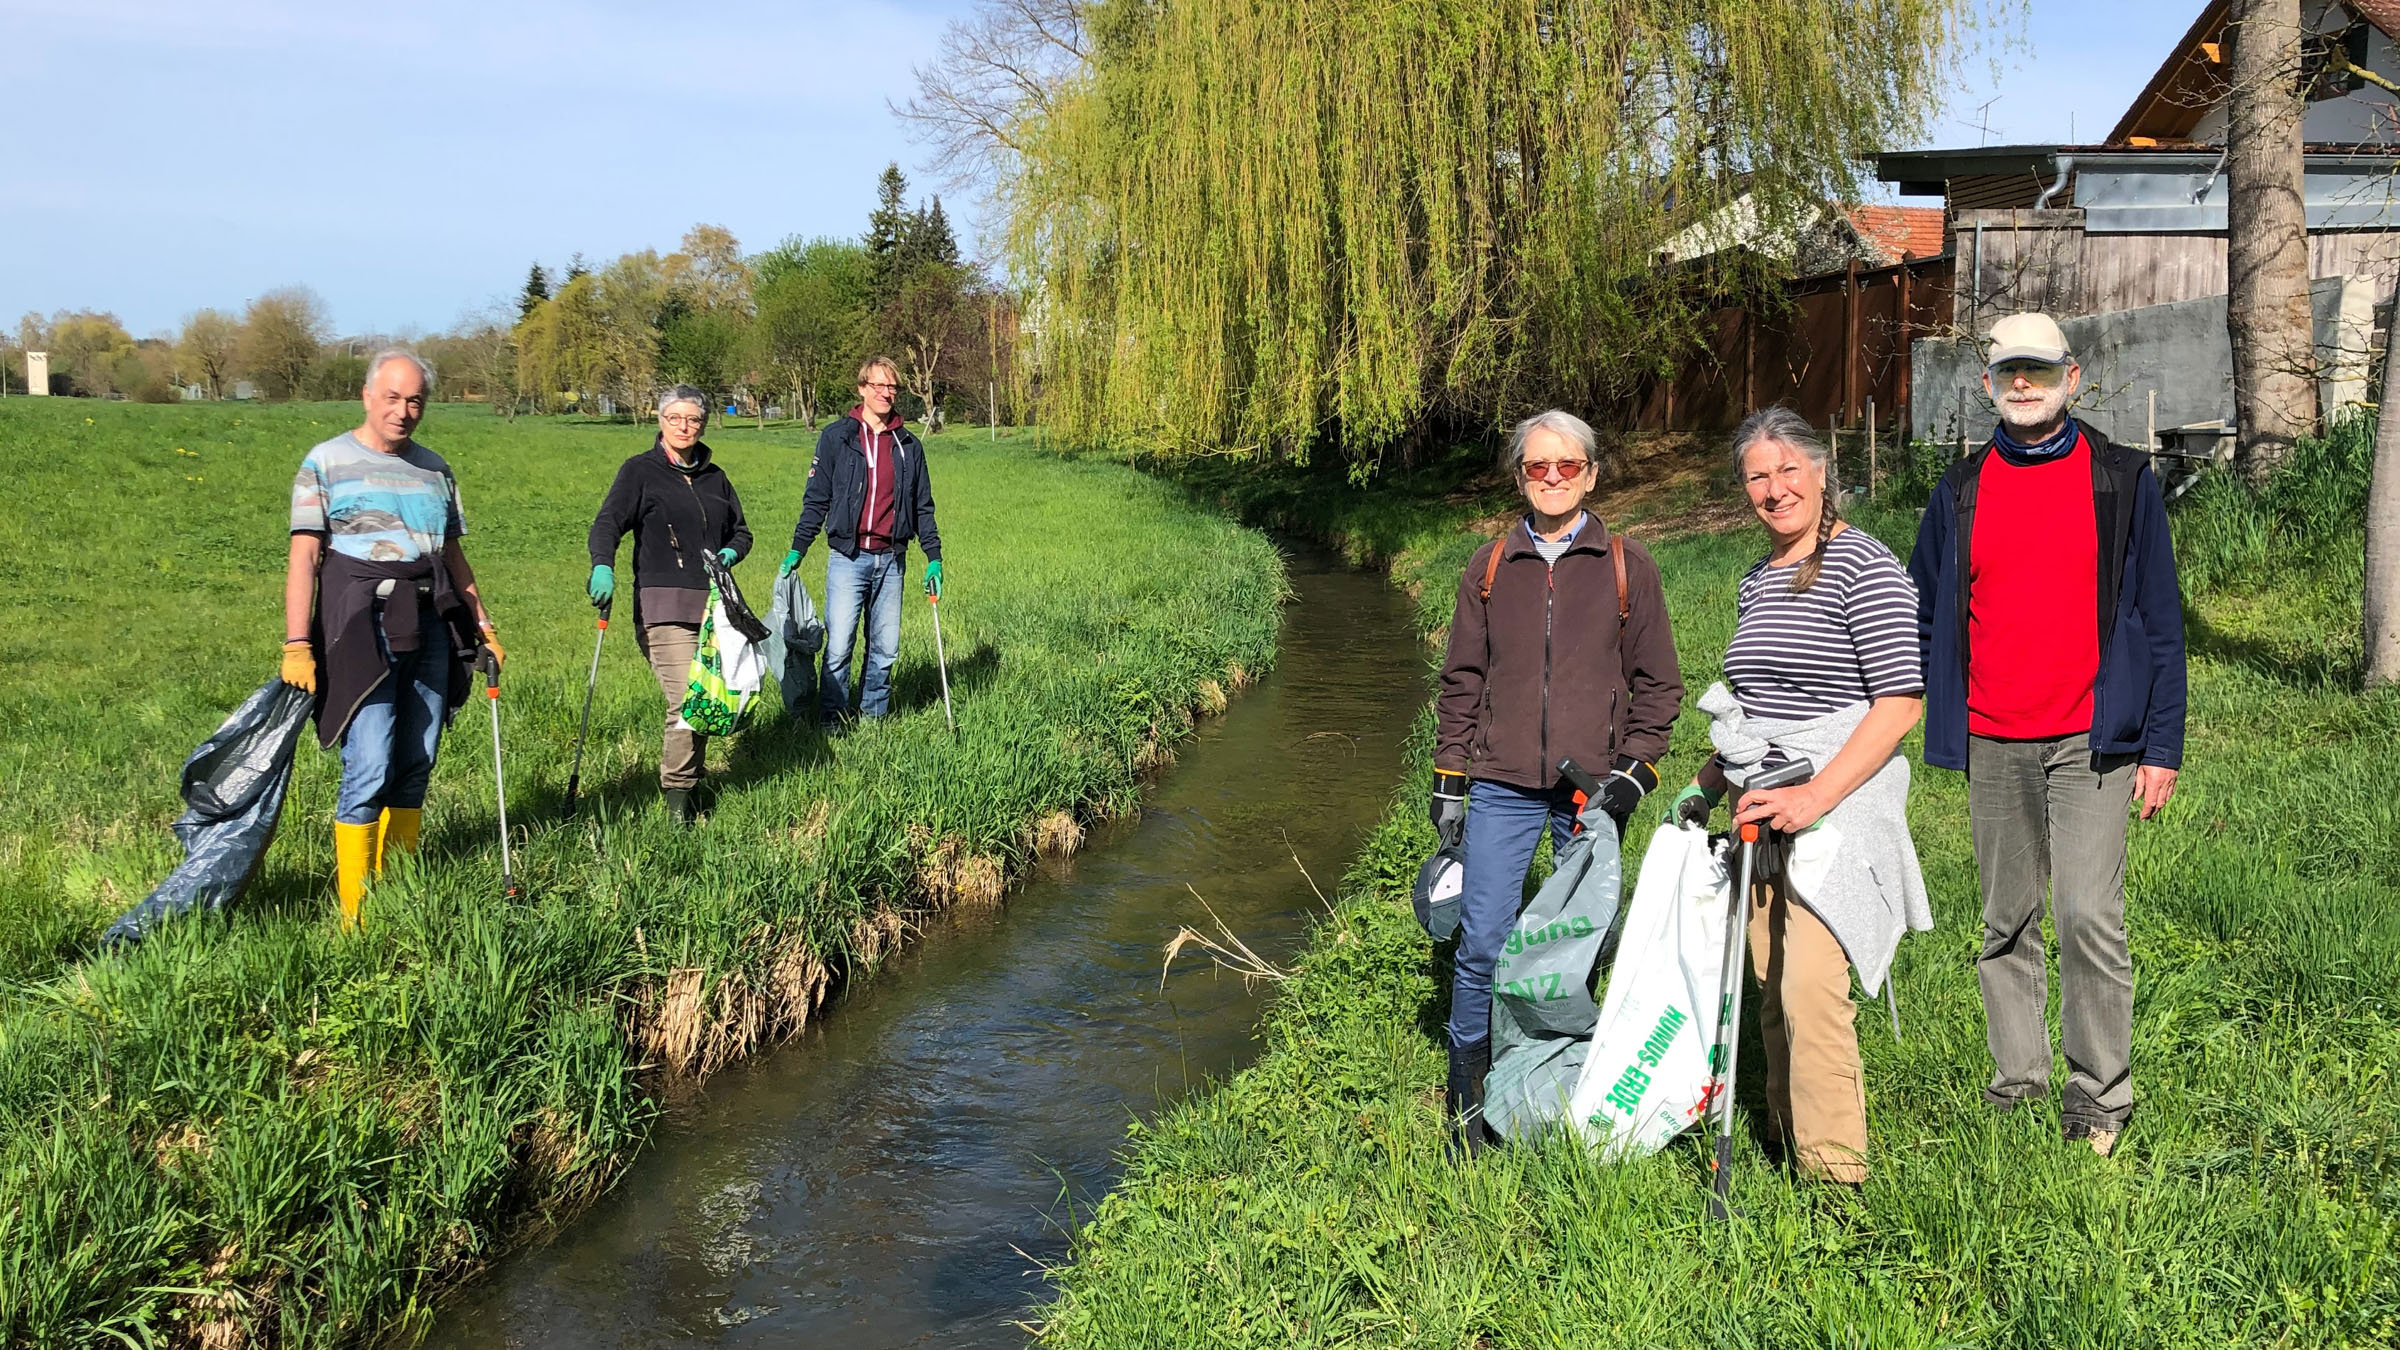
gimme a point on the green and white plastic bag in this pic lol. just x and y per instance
(728, 669)
(1542, 1008)
(1645, 1078)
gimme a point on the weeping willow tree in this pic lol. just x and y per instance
(1276, 225)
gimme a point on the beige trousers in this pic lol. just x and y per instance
(670, 647)
(1816, 1087)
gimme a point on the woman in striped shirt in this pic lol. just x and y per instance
(1824, 666)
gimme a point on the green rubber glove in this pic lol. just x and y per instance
(602, 587)
(791, 560)
(1693, 804)
(727, 556)
(933, 577)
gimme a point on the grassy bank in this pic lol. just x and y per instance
(258, 1130)
(2255, 1199)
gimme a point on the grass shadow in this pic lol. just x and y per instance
(919, 684)
(2313, 668)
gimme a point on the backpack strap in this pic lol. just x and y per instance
(1491, 567)
(1624, 601)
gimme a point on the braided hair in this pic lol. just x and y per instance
(1781, 426)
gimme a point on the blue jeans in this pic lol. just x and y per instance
(868, 584)
(388, 749)
(1504, 826)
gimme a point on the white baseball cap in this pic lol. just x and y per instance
(2028, 337)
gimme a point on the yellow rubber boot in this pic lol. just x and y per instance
(353, 855)
(396, 832)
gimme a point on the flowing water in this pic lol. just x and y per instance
(899, 1174)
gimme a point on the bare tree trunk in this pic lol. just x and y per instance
(2267, 311)
(2382, 607)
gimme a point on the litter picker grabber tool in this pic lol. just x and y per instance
(941, 662)
(1729, 1004)
(592, 682)
(490, 668)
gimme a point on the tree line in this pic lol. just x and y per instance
(787, 326)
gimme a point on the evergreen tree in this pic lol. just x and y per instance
(935, 242)
(576, 267)
(888, 227)
(537, 289)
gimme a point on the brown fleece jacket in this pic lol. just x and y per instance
(1535, 675)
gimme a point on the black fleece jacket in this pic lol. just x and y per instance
(676, 514)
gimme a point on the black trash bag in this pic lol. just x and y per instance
(233, 788)
(737, 611)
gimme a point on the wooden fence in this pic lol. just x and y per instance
(1828, 347)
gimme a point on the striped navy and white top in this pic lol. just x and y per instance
(1850, 638)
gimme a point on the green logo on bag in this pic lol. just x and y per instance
(1626, 1096)
(1520, 939)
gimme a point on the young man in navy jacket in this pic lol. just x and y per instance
(869, 492)
(2052, 629)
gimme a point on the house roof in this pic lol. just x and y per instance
(1901, 232)
(2193, 79)
(2185, 86)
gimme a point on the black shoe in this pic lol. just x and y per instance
(677, 803)
(1462, 1098)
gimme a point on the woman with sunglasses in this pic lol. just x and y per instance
(1559, 649)
(679, 505)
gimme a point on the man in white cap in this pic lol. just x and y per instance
(2052, 629)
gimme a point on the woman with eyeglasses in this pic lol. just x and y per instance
(679, 505)
(1559, 649)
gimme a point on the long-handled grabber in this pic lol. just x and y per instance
(942, 662)
(592, 682)
(1721, 1056)
(486, 663)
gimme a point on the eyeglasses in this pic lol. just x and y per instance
(2039, 374)
(1555, 470)
(887, 388)
(683, 421)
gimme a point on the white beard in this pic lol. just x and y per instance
(2027, 416)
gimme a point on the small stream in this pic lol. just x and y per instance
(899, 1174)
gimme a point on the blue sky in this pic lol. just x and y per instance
(408, 161)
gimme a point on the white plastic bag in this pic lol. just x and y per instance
(1646, 1077)
(745, 661)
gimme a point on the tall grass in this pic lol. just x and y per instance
(258, 1129)
(2255, 1199)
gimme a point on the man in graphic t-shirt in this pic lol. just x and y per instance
(869, 492)
(2052, 630)
(380, 615)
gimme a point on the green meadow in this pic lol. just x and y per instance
(254, 1127)
(2255, 1199)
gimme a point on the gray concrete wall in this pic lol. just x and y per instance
(2179, 350)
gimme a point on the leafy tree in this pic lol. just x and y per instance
(1271, 224)
(812, 320)
(210, 341)
(338, 374)
(537, 289)
(928, 316)
(708, 271)
(281, 334)
(84, 346)
(563, 348)
(706, 348)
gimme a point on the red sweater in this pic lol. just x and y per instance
(2033, 598)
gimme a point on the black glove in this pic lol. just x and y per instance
(1624, 788)
(1449, 806)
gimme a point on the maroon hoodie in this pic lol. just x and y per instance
(875, 508)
